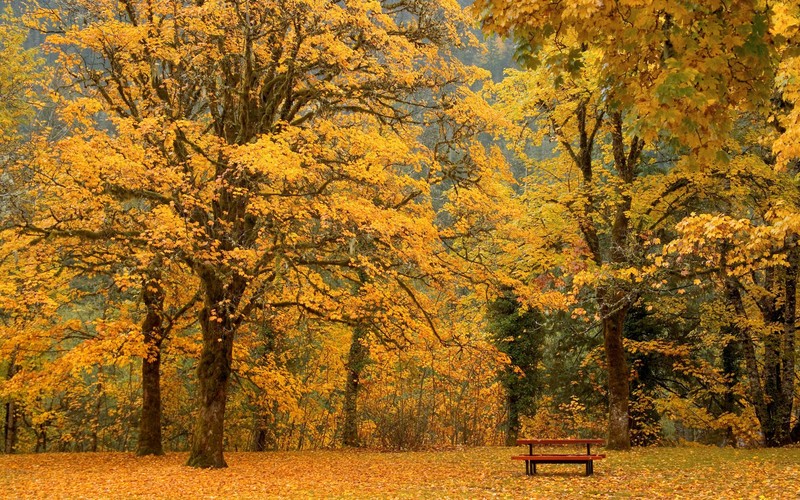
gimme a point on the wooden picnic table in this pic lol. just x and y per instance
(531, 459)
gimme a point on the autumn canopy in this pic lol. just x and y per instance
(401, 224)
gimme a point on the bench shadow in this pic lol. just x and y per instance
(561, 474)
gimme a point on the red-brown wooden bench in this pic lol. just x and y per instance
(532, 459)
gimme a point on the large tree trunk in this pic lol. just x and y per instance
(618, 380)
(214, 370)
(153, 333)
(615, 301)
(150, 423)
(356, 361)
(779, 352)
(213, 374)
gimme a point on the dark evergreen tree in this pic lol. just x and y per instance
(519, 334)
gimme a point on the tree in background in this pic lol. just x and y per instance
(746, 237)
(663, 77)
(22, 82)
(518, 334)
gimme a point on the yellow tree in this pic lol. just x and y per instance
(666, 74)
(253, 141)
(590, 183)
(21, 82)
(750, 243)
(681, 68)
(20, 76)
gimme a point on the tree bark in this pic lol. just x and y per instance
(10, 428)
(97, 408)
(265, 433)
(512, 427)
(260, 439)
(767, 391)
(618, 379)
(153, 333)
(150, 424)
(214, 370)
(213, 374)
(730, 368)
(615, 301)
(788, 355)
(356, 361)
(11, 424)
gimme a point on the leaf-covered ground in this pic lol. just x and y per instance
(470, 473)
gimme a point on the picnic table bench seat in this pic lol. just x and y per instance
(531, 459)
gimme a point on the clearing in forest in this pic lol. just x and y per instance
(690, 472)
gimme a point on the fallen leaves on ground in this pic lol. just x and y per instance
(695, 472)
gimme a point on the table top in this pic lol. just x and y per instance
(561, 441)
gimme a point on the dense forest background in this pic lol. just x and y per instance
(282, 225)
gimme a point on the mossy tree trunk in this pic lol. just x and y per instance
(153, 334)
(356, 361)
(618, 380)
(218, 324)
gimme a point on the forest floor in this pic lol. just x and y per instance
(685, 472)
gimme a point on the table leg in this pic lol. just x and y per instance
(531, 469)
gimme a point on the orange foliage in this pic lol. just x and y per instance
(695, 472)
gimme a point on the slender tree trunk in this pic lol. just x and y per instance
(730, 360)
(788, 355)
(264, 437)
(614, 303)
(150, 424)
(779, 353)
(512, 428)
(756, 391)
(264, 430)
(356, 361)
(259, 439)
(41, 439)
(772, 388)
(10, 428)
(153, 334)
(772, 363)
(97, 407)
(766, 390)
(618, 380)
(11, 424)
